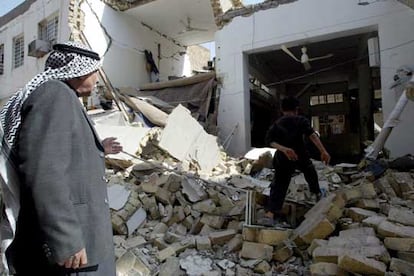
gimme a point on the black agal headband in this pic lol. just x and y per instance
(72, 49)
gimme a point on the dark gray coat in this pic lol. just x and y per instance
(64, 205)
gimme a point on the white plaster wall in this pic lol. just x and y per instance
(27, 24)
(307, 21)
(124, 62)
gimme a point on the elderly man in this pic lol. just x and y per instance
(55, 193)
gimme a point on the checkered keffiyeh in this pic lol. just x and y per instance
(62, 64)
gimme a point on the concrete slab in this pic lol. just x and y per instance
(185, 139)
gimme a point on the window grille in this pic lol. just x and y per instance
(1, 59)
(18, 51)
(48, 30)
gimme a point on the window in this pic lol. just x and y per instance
(48, 30)
(18, 51)
(1, 59)
(326, 99)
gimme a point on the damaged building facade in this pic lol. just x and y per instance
(353, 51)
(120, 32)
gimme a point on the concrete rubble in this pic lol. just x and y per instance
(172, 217)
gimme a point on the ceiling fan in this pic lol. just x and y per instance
(189, 28)
(304, 59)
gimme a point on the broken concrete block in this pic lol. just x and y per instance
(166, 253)
(196, 265)
(193, 189)
(400, 215)
(149, 187)
(252, 250)
(316, 243)
(322, 269)
(384, 185)
(389, 229)
(205, 206)
(334, 213)
(213, 221)
(401, 182)
(129, 264)
(117, 196)
(221, 237)
(136, 220)
(321, 207)
(206, 230)
(406, 256)
(186, 243)
(358, 214)
(401, 266)
(235, 244)
(368, 204)
(283, 252)
(400, 244)
(203, 243)
(314, 228)
(361, 265)
(236, 225)
(357, 232)
(171, 267)
(272, 236)
(373, 221)
(353, 241)
(262, 268)
(135, 242)
(331, 254)
(164, 196)
(368, 190)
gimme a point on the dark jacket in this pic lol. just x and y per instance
(64, 203)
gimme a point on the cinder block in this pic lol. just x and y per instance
(400, 244)
(221, 237)
(361, 265)
(402, 266)
(272, 236)
(252, 250)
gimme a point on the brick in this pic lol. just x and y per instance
(181, 246)
(368, 190)
(389, 229)
(401, 266)
(252, 250)
(358, 214)
(221, 237)
(321, 207)
(400, 244)
(149, 187)
(400, 215)
(361, 265)
(272, 236)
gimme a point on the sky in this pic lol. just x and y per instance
(7, 5)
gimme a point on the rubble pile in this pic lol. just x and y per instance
(172, 217)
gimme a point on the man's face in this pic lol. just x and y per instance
(85, 84)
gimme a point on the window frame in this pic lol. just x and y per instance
(48, 29)
(2, 59)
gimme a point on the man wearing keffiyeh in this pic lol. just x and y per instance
(55, 218)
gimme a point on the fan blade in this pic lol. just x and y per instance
(287, 51)
(306, 65)
(321, 57)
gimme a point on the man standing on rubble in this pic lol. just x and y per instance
(57, 214)
(287, 136)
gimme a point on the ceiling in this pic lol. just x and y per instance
(274, 66)
(170, 18)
